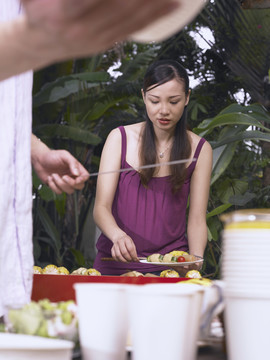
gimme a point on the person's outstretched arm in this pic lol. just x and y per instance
(56, 30)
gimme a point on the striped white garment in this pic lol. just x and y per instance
(16, 250)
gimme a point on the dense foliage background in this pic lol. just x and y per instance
(77, 103)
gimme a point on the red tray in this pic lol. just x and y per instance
(60, 287)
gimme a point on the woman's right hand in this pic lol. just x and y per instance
(124, 249)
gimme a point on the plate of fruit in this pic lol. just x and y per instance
(174, 258)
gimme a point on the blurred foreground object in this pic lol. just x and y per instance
(27, 347)
(45, 318)
(171, 23)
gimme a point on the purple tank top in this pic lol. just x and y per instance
(154, 218)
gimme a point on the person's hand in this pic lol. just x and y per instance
(57, 168)
(75, 28)
(124, 249)
(61, 172)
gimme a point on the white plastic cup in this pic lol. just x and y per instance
(252, 254)
(246, 235)
(194, 319)
(247, 319)
(259, 270)
(247, 292)
(258, 275)
(103, 321)
(245, 277)
(161, 321)
(244, 251)
(249, 284)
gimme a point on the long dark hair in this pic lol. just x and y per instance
(157, 74)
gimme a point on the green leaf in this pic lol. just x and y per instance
(222, 156)
(60, 204)
(230, 119)
(212, 230)
(204, 124)
(36, 248)
(68, 85)
(209, 234)
(231, 187)
(49, 227)
(79, 258)
(35, 179)
(43, 190)
(219, 210)
(254, 110)
(242, 200)
(68, 132)
(246, 135)
(46, 193)
(132, 69)
(48, 240)
(194, 113)
(100, 107)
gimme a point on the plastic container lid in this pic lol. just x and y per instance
(247, 219)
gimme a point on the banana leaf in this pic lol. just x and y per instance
(68, 132)
(68, 85)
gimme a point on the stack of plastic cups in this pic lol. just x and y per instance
(103, 323)
(164, 321)
(246, 273)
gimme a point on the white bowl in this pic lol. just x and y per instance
(26, 347)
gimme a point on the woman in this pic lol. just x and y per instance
(141, 213)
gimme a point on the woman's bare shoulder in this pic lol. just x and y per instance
(195, 139)
(134, 128)
(134, 131)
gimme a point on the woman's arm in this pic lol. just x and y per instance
(123, 247)
(199, 193)
(56, 30)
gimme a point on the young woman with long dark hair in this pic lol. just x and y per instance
(144, 212)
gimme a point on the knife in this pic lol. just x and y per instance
(174, 162)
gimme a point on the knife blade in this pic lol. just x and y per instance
(173, 162)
